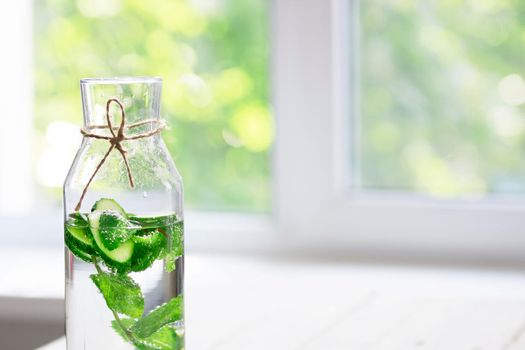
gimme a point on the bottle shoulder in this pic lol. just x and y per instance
(148, 160)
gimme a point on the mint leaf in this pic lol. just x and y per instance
(78, 219)
(150, 224)
(121, 293)
(126, 323)
(153, 221)
(168, 226)
(114, 228)
(147, 250)
(165, 338)
(175, 246)
(161, 316)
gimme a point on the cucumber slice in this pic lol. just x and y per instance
(117, 258)
(79, 248)
(78, 238)
(108, 204)
(82, 234)
(80, 254)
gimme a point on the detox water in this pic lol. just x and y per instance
(127, 290)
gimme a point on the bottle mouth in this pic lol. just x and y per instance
(121, 80)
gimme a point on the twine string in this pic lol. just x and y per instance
(115, 141)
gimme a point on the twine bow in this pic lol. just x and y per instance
(115, 141)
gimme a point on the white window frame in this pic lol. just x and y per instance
(313, 201)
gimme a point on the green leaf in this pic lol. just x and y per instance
(165, 338)
(77, 219)
(114, 228)
(153, 222)
(161, 316)
(121, 293)
(170, 227)
(126, 323)
(175, 245)
(147, 250)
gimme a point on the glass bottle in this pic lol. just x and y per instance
(123, 214)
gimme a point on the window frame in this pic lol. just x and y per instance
(313, 42)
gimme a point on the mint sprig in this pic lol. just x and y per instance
(175, 245)
(161, 316)
(121, 293)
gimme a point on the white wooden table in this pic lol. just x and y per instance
(236, 303)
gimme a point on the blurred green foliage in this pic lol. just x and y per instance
(442, 96)
(440, 84)
(213, 58)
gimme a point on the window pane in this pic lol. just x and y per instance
(442, 97)
(213, 58)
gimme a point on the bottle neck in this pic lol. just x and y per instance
(131, 103)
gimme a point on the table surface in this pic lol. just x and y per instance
(241, 303)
